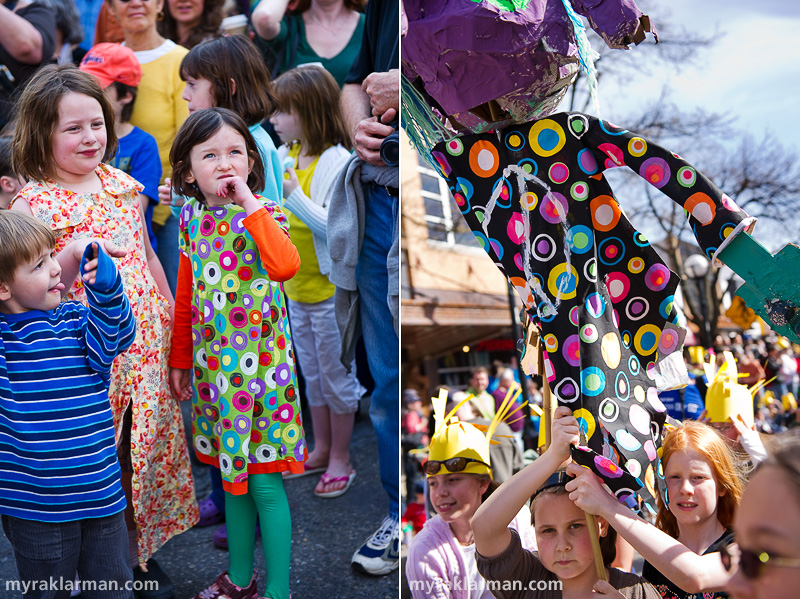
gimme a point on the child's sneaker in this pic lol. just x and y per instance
(223, 588)
(380, 553)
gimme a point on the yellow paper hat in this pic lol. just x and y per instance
(725, 397)
(455, 439)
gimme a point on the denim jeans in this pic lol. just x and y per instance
(380, 338)
(168, 252)
(49, 553)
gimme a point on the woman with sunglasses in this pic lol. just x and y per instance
(767, 526)
(441, 559)
(682, 552)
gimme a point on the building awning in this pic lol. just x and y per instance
(437, 322)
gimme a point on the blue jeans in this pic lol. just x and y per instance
(380, 338)
(168, 252)
(49, 553)
(217, 492)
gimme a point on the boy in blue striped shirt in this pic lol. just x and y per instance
(61, 499)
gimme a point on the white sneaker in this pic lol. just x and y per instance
(380, 554)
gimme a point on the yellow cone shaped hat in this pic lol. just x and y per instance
(725, 397)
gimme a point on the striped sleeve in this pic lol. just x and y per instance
(110, 328)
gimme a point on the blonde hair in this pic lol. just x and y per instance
(22, 239)
(705, 440)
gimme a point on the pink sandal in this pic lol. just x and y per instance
(326, 479)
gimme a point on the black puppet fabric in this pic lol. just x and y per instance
(535, 197)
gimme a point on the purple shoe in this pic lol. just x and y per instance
(220, 536)
(209, 514)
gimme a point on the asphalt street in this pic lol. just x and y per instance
(326, 532)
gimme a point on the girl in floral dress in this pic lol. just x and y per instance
(232, 333)
(64, 132)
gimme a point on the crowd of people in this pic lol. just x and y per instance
(181, 183)
(473, 536)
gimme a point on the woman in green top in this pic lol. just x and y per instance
(327, 32)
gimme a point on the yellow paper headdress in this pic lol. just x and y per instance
(455, 439)
(725, 397)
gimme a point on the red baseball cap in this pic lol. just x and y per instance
(112, 62)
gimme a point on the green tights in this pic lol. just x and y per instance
(266, 498)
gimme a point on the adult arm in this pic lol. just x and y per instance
(267, 17)
(490, 522)
(20, 38)
(367, 132)
(691, 572)
(383, 90)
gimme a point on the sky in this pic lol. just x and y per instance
(752, 71)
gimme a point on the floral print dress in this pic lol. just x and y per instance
(163, 490)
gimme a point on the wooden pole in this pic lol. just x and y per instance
(549, 407)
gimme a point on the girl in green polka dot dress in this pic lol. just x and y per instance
(232, 333)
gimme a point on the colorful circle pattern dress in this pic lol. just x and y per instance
(246, 410)
(535, 197)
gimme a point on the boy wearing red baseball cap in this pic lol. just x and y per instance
(117, 69)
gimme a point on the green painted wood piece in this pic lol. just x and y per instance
(772, 283)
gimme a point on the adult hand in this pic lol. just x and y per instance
(369, 135)
(383, 90)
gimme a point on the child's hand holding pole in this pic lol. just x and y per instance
(490, 523)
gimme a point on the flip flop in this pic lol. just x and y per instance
(287, 476)
(327, 479)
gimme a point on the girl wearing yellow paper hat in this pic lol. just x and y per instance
(441, 559)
